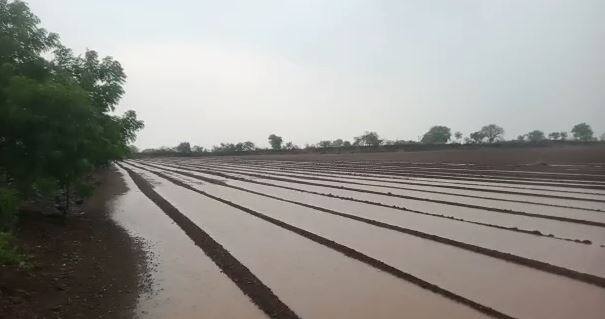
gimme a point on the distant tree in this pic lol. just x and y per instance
(563, 135)
(133, 149)
(197, 149)
(603, 137)
(183, 147)
(346, 144)
(458, 136)
(275, 141)
(388, 142)
(291, 146)
(521, 138)
(554, 136)
(492, 132)
(337, 142)
(437, 135)
(324, 144)
(368, 139)
(248, 146)
(535, 136)
(582, 132)
(477, 137)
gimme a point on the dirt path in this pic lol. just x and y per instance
(73, 273)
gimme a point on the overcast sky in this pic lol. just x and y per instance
(229, 71)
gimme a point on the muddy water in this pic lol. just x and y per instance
(437, 171)
(487, 178)
(583, 258)
(485, 183)
(386, 179)
(560, 229)
(380, 180)
(527, 196)
(557, 228)
(315, 281)
(469, 274)
(185, 283)
(437, 167)
(524, 207)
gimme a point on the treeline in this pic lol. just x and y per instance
(436, 135)
(56, 121)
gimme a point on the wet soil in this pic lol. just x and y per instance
(317, 289)
(484, 156)
(74, 262)
(249, 284)
(489, 252)
(374, 244)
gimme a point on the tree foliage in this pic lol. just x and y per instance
(437, 135)
(492, 133)
(368, 139)
(582, 132)
(554, 136)
(183, 148)
(275, 141)
(477, 137)
(54, 114)
(536, 136)
(234, 148)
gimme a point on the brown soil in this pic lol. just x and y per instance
(489, 252)
(82, 267)
(347, 251)
(219, 172)
(486, 155)
(249, 284)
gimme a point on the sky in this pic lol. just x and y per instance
(228, 71)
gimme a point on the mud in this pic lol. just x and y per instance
(315, 280)
(485, 208)
(588, 278)
(250, 285)
(329, 194)
(564, 202)
(183, 281)
(347, 252)
(349, 176)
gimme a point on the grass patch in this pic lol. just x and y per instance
(9, 254)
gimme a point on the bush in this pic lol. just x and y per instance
(9, 255)
(9, 203)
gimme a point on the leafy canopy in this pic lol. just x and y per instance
(437, 135)
(54, 113)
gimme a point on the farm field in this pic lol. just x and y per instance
(380, 238)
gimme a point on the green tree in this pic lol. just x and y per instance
(183, 148)
(492, 133)
(554, 136)
(582, 132)
(477, 137)
(275, 141)
(54, 115)
(437, 135)
(458, 136)
(563, 135)
(324, 144)
(291, 146)
(536, 136)
(368, 139)
(337, 142)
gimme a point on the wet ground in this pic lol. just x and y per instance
(235, 237)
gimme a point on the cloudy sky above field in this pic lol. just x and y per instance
(229, 71)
